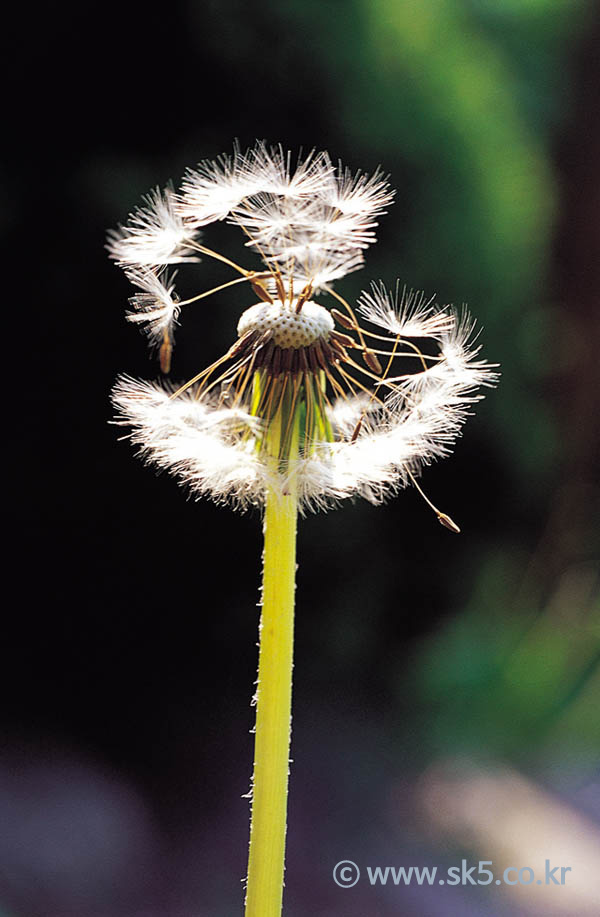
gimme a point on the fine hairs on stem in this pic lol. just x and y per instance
(264, 888)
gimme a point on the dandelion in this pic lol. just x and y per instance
(310, 405)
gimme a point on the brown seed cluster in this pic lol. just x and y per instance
(259, 348)
(318, 356)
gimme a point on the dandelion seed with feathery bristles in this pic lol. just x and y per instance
(308, 406)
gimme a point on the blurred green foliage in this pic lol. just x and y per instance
(507, 678)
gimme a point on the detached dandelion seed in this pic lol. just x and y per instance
(307, 407)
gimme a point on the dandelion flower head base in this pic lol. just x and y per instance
(289, 327)
(306, 391)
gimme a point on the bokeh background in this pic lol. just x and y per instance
(446, 688)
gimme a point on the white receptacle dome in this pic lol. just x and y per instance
(290, 329)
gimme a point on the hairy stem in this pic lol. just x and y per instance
(273, 707)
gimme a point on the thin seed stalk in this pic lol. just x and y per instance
(264, 893)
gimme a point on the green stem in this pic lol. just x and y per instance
(273, 709)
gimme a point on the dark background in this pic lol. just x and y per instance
(424, 661)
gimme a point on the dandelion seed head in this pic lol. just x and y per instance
(305, 397)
